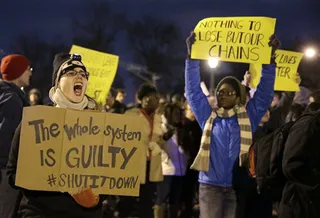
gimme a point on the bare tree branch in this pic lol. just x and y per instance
(100, 28)
(157, 44)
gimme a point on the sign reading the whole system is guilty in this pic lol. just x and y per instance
(66, 150)
(234, 39)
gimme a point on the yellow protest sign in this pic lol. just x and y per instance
(286, 71)
(65, 150)
(234, 39)
(102, 68)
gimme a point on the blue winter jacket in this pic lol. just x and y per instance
(225, 139)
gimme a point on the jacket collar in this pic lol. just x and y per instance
(10, 87)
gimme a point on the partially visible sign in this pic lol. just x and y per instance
(102, 68)
(286, 71)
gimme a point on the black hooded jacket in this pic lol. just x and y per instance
(301, 166)
(12, 101)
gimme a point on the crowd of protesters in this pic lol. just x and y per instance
(198, 152)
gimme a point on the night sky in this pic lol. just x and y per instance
(52, 19)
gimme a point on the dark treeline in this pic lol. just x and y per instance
(156, 44)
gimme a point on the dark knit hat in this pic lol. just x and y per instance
(63, 62)
(13, 66)
(145, 89)
(236, 85)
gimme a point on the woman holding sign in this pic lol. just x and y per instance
(227, 132)
(70, 79)
(151, 167)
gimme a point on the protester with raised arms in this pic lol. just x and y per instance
(70, 79)
(227, 131)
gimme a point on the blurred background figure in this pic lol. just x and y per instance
(121, 96)
(115, 105)
(35, 97)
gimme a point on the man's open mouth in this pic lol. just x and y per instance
(78, 88)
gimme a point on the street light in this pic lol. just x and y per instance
(310, 52)
(213, 62)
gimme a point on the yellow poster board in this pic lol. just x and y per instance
(286, 71)
(66, 150)
(234, 39)
(102, 68)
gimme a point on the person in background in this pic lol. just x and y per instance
(247, 82)
(279, 108)
(113, 105)
(116, 204)
(109, 102)
(119, 107)
(314, 97)
(174, 163)
(151, 167)
(301, 166)
(16, 73)
(251, 203)
(296, 110)
(69, 81)
(227, 131)
(302, 97)
(276, 100)
(120, 96)
(189, 135)
(113, 203)
(312, 107)
(173, 110)
(162, 105)
(162, 100)
(35, 97)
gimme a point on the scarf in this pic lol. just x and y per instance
(201, 162)
(58, 98)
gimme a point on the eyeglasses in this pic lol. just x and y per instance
(72, 73)
(226, 93)
(30, 69)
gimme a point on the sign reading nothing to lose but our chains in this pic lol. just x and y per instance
(234, 39)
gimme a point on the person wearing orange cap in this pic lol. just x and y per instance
(16, 72)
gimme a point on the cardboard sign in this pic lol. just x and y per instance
(102, 68)
(65, 150)
(286, 71)
(234, 39)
